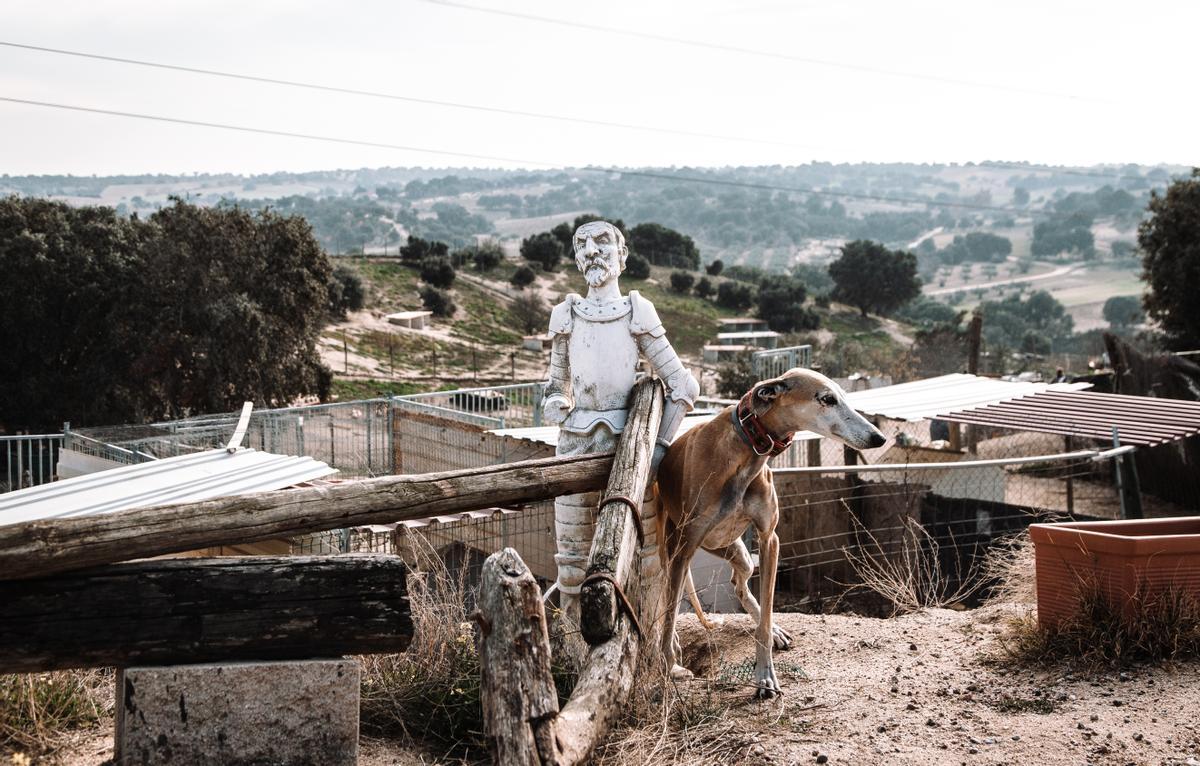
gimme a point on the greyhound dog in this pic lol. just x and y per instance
(714, 482)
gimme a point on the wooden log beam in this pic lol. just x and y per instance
(568, 738)
(600, 692)
(40, 548)
(519, 698)
(205, 609)
(615, 546)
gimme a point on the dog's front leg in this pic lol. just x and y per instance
(764, 668)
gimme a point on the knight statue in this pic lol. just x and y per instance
(597, 342)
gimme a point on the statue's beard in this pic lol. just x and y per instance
(597, 273)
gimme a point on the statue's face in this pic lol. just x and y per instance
(599, 252)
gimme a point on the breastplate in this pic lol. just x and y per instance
(603, 357)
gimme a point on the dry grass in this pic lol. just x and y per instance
(1161, 626)
(909, 573)
(430, 694)
(1008, 565)
(431, 691)
(37, 709)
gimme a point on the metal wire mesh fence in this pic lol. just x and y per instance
(929, 523)
(512, 406)
(353, 437)
(28, 460)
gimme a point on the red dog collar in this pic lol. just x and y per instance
(754, 433)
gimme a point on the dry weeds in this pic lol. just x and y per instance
(910, 577)
(38, 709)
(1159, 627)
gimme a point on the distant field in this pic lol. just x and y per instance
(526, 227)
(1081, 290)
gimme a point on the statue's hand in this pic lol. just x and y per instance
(555, 409)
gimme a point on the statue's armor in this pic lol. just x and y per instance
(603, 356)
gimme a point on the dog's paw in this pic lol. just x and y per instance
(680, 673)
(780, 638)
(768, 685)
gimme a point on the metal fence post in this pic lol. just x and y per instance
(391, 434)
(539, 394)
(370, 417)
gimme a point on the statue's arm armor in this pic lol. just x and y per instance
(682, 387)
(558, 387)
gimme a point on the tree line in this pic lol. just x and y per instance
(107, 319)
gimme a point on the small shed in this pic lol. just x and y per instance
(536, 342)
(715, 354)
(756, 338)
(742, 324)
(1160, 428)
(414, 320)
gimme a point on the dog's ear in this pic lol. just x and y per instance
(769, 391)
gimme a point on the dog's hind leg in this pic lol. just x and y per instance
(677, 568)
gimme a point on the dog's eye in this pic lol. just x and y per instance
(827, 399)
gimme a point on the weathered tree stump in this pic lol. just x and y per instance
(519, 697)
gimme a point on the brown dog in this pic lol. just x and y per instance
(714, 482)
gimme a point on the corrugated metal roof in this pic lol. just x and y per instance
(924, 399)
(1140, 420)
(183, 479)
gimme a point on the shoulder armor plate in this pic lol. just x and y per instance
(561, 319)
(645, 317)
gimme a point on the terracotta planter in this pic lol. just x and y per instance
(1122, 558)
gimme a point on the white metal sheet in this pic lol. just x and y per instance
(183, 479)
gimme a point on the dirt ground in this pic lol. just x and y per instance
(929, 688)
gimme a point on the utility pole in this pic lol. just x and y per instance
(974, 339)
(345, 354)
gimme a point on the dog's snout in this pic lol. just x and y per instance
(877, 440)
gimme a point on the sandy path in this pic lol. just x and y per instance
(1060, 271)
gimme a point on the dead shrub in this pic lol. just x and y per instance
(36, 709)
(431, 693)
(909, 573)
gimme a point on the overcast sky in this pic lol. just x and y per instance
(1073, 83)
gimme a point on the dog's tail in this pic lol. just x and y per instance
(695, 599)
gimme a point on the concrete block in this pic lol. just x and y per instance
(242, 713)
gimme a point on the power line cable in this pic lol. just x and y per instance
(399, 96)
(861, 68)
(272, 132)
(501, 110)
(521, 161)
